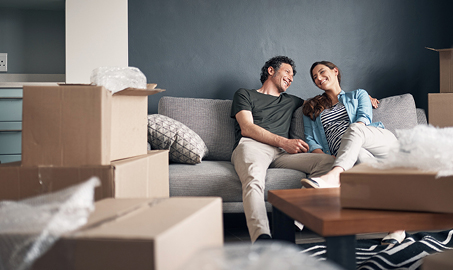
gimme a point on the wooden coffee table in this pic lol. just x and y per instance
(320, 211)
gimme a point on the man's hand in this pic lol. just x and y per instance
(294, 146)
(374, 102)
(249, 129)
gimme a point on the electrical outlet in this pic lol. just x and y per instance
(3, 62)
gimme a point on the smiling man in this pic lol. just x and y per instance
(263, 119)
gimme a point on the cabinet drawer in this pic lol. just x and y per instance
(11, 93)
(10, 126)
(9, 158)
(10, 109)
(10, 142)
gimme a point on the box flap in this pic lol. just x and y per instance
(122, 218)
(111, 209)
(76, 84)
(439, 50)
(150, 90)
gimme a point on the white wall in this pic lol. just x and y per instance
(96, 35)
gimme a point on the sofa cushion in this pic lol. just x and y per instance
(396, 112)
(218, 178)
(421, 116)
(184, 144)
(209, 118)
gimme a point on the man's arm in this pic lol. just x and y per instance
(249, 129)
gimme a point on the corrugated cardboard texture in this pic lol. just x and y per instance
(144, 176)
(66, 125)
(130, 117)
(73, 125)
(23, 182)
(395, 189)
(438, 261)
(440, 109)
(140, 234)
(139, 177)
(445, 69)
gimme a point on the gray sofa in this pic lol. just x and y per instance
(215, 175)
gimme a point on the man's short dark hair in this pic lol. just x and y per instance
(276, 62)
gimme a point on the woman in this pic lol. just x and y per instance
(340, 124)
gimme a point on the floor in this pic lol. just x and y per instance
(235, 230)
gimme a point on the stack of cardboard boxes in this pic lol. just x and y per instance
(440, 105)
(73, 132)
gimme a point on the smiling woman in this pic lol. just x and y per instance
(340, 123)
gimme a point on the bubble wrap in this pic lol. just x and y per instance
(28, 228)
(423, 147)
(118, 78)
(259, 256)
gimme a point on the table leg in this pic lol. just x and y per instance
(341, 250)
(282, 226)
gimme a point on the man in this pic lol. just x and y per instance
(263, 118)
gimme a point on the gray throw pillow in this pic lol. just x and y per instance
(396, 112)
(184, 145)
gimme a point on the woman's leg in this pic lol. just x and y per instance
(357, 138)
(375, 140)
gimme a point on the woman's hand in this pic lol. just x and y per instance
(374, 102)
(319, 151)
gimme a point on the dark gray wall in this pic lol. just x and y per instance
(209, 49)
(33, 39)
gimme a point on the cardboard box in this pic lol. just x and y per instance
(395, 189)
(438, 261)
(139, 234)
(138, 177)
(440, 109)
(446, 69)
(74, 125)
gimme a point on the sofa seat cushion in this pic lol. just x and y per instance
(218, 178)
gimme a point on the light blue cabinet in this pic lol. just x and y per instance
(10, 124)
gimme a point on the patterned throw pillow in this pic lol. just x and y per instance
(184, 144)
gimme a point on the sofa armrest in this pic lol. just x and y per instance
(421, 117)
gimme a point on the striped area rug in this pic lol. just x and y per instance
(409, 254)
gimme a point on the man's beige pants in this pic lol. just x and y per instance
(251, 159)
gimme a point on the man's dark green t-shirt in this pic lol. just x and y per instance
(272, 113)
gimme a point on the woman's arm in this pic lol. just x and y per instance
(364, 111)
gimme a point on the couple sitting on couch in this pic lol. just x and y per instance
(338, 131)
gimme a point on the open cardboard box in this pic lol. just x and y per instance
(73, 125)
(446, 69)
(409, 189)
(143, 176)
(138, 234)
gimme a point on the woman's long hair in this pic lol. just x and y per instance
(314, 106)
